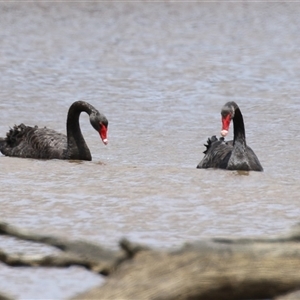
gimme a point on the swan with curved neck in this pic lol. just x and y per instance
(43, 143)
(232, 155)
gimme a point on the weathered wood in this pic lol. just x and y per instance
(289, 296)
(59, 261)
(218, 268)
(206, 271)
(5, 297)
(89, 255)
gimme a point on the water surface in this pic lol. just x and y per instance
(160, 72)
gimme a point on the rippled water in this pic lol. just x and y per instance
(160, 72)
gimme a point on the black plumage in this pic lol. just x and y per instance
(231, 155)
(44, 143)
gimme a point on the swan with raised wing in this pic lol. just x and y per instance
(231, 155)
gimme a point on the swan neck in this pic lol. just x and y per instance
(77, 148)
(238, 128)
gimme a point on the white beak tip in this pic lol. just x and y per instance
(224, 132)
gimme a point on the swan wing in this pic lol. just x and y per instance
(217, 154)
(33, 142)
(254, 163)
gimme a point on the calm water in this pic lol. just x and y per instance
(160, 72)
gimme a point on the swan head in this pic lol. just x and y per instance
(227, 114)
(100, 123)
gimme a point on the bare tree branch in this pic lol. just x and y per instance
(82, 253)
(218, 268)
(5, 297)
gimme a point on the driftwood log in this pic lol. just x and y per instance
(217, 268)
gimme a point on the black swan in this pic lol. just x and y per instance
(33, 142)
(232, 155)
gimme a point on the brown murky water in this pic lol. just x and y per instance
(160, 72)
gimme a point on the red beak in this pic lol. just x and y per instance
(103, 133)
(225, 125)
(226, 122)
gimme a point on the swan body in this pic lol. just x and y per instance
(231, 155)
(44, 143)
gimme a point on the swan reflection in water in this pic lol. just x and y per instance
(44, 143)
(231, 155)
